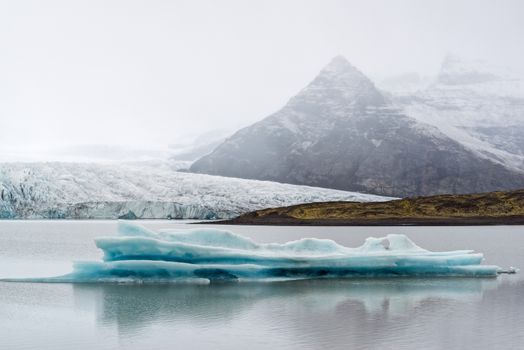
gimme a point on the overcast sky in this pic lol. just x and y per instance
(152, 73)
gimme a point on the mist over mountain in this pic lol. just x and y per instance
(403, 84)
(200, 146)
(342, 132)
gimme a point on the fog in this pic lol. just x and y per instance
(147, 74)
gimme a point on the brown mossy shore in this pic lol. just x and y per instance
(493, 208)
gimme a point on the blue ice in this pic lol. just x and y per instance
(206, 255)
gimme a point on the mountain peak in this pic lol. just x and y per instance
(342, 132)
(339, 63)
(340, 81)
(340, 66)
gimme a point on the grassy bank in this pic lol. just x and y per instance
(494, 208)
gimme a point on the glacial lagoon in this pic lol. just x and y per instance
(395, 313)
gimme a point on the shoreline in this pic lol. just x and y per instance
(451, 221)
(481, 209)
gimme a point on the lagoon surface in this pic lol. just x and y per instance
(411, 313)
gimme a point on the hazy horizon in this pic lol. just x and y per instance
(145, 75)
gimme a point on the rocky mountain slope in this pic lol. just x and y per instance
(141, 190)
(342, 132)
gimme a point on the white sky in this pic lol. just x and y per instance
(151, 73)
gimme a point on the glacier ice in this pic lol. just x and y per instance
(143, 190)
(206, 255)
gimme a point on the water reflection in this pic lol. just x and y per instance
(365, 314)
(135, 306)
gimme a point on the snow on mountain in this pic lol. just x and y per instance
(477, 105)
(142, 190)
(342, 132)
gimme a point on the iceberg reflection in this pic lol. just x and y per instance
(135, 306)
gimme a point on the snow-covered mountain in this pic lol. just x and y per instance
(342, 132)
(477, 105)
(142, 190)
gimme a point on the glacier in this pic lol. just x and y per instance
(207, 255)
(143, 190)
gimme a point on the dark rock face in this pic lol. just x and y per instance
(341, 132)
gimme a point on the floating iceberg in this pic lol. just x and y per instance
(206, 255)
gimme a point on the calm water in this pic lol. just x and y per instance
(344, 314)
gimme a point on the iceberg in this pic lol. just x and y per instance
(206, 255)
